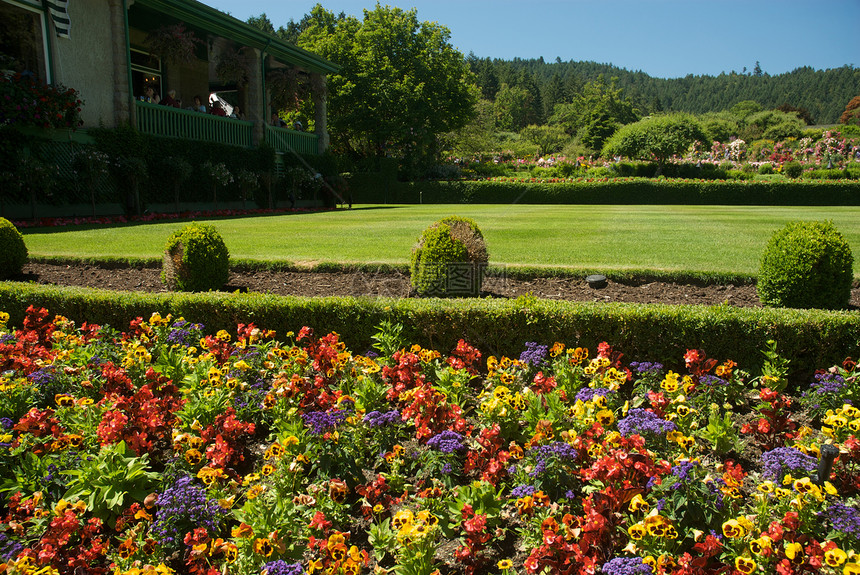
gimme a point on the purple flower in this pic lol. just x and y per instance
(447, 442)
(281, 567)
(588, 393)
(42, 377)
(9, 548)
(776, 463)
(712, 380)
(682, 470)
(522, 491)
(557, 451)
(642, 421)
(646, 367)
(535, 354)
(184, 333)
(382, 419)
(625, 566)
(321, 422)
(182, 508)
(843, 518)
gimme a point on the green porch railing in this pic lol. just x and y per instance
(284, 140)
(166, 121)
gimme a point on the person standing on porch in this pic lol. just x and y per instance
(170, 99)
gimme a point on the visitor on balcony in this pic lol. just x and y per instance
(198, 105)
(217, 110)
(237, 113)
(170, 100)
(149, 95)
(297, 126)
(277, 121)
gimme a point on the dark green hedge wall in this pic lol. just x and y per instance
(811, 339)
(609, 191)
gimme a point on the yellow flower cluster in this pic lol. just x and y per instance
(413, 527)
(161, 569)
(838, 423)
(591, 411)
(500, 400)
(425, 355)
(653, 525)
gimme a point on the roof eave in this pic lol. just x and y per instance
(212, 20)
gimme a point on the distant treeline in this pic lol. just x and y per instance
(818, 96)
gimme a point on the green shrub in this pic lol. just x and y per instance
(826, 174)
(806, 265)
(765, 169)
(195, 259)
(498, 326)
(792, 169)
(13, 250)
(449, 259)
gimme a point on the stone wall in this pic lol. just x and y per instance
(82, 61)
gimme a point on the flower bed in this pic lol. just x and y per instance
(163, 449)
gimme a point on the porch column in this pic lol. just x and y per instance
(319, 92)
(254, 104)
(119, 57)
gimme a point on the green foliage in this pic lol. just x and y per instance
(26, 101)
(401, 84)
(111, 480)
(13, 250)
(595, 190)
(772, 125)
(792, 169)
(449, 259)
(548, 139)
(195, 259)
(513, 108)
(806, 265)
(167, 170)
(659, 137)
(810, 337)
(595, 113)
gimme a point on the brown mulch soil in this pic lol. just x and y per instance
(364, 283)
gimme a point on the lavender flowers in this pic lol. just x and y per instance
(642, 421)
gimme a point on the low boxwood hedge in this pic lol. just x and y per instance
(618, 191)
(810, 338)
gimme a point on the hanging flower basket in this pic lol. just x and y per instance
(288, 89)
(174, 43)
(232, 68)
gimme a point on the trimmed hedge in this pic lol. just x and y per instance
(617, 191)
(810, 338)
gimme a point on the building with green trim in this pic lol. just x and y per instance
(111, 50)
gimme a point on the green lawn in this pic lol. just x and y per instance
(709, 239)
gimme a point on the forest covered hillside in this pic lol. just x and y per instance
(821, 94)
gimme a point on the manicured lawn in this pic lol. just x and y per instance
(718, 239)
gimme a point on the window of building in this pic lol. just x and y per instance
(145, 71)
(23, 44)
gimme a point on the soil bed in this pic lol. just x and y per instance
(367, 283)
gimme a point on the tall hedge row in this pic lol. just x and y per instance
(811, 339)
(611, 191)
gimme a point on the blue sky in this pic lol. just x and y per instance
(663, 38)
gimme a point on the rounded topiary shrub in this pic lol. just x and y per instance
(792, 169)
(449, 259)
(195, 259)
(13, 250)
(806, 265)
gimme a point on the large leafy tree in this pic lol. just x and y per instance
(401, 84)
(595, 113)
(655, 138)
(851, 115)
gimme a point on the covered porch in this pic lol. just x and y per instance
(186, 50)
